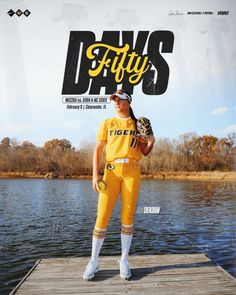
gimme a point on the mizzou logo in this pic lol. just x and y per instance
(110, 167)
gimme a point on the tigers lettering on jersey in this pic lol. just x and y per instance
(133, 133)
(123, 132)
(121, 138)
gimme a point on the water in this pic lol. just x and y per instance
(55, 218)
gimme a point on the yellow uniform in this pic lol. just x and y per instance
(121, 175)
(121, 138)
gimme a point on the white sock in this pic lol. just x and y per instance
(97, 242)
(126, 240)
(96, 247)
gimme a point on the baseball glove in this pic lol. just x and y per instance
(144, 127)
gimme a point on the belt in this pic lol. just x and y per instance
(112, 164)
(122, 160)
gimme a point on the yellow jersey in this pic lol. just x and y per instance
(121, 138)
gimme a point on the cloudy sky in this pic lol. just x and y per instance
(201, 92)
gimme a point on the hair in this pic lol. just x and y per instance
(133, 116)
(131, 111)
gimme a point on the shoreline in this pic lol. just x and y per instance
(204, 175)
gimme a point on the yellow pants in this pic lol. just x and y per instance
(119, 178)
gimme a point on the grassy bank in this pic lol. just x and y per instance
(204, 175)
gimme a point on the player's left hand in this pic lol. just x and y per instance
(145, 129)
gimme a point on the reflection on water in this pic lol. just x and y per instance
(55, 218)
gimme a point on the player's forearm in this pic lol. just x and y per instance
(97, 154)
(149, 146)
(147, 149)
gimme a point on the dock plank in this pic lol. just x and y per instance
(166, 274)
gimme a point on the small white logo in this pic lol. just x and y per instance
(148, 210)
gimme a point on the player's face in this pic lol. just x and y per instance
(121, 105)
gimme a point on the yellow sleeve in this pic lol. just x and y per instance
(102, 131)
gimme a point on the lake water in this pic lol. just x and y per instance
(55, 218)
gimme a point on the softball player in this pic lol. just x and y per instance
(125, 139)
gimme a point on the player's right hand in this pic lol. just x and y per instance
(95, 181)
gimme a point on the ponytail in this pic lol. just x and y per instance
(131, 112)
(133, 116)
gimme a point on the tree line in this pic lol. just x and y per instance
(189, 152)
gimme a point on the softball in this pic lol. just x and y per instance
(101, 185)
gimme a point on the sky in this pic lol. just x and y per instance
(200, 96)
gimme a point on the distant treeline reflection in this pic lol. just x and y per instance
(189, 152)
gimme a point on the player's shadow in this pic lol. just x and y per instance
(140, 272)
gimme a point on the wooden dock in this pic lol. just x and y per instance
(151, 274)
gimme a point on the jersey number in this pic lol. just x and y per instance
(134, 142)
